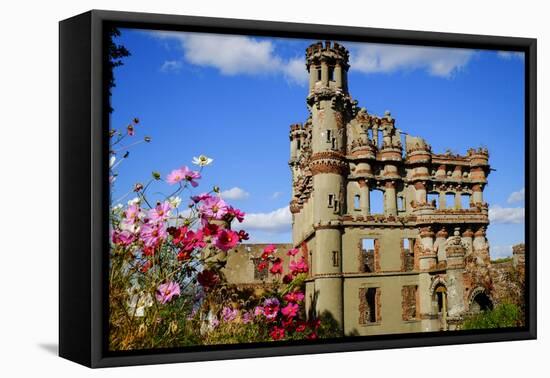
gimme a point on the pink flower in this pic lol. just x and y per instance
(246, 317)
(299, 266)
(294, 296)
(293, 252)
(152, 234)
(191, 176)
(166, 291)
(277, 267)
(214, 208)
(271, 308)
(268, 251)
(132, 214)
(160, 213)
(123, 238)
(258, 311)
(229, 314)
(226, 240)
(177, 175)
(290, 310)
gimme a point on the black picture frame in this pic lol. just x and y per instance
(84, 190)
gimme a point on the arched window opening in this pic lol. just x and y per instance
(465, 201)
(377, 201)
(450, 200)
(433, 199)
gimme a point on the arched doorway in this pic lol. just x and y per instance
(440, 304)
(480, 302)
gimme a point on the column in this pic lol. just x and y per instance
(390, 203)
(442, 200)
(364, 201)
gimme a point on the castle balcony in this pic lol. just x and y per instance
(390, 154)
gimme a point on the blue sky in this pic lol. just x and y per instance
(233, 98)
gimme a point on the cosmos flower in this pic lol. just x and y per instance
(213, 208)
(246, 317)
(177, 175)
(277, 333)
(123, 238)
(160, 213)
(233, 213)
(202, 161)
(294, 296)
(226, 240)
(293, 252)
(268, 251)
(299, 266)
(229, 314)
(290, 310)
(191, 176)
(271, 308)
(152, 234)
(277, 267)
(174, 201)
(165, 292)
(208, 279)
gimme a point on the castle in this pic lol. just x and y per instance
(416, 261)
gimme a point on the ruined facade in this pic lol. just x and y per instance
(421, 262)
(416, 261)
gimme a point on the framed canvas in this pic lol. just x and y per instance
(235, 188)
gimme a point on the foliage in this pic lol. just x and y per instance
(115, 53)
(166, 280)
(502, 316)
(501, 260)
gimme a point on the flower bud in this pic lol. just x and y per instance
(156, 175)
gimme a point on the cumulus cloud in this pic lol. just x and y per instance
(437, 61)
(235, 194)
(233, 55)
(277, 221)
(498, 214)
(511, 55)
(500, 251)
(518, 196)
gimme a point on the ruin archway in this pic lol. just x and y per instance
(480, 301)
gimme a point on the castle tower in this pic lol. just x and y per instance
(330, 108)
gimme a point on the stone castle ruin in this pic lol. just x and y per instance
(394, 233)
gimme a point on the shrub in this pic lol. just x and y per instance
(502, 316)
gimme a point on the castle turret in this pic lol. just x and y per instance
(330, 108)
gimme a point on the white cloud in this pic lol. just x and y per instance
(233, 55)
(276, 195)
(518, 196)
(511, 54)
(437, 61)
(499, 214)
(171, 66)
(234, 194)
(277, 221)
(500, 251)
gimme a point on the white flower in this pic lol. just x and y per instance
(202, 160)
(174, 201)
(112, 161)
(134, 201)
(117, 208)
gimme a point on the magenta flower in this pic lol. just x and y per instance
(165, 292)
(233, 213)
(229, 314)
(299, 266)
(177, 175)
(277, 267)
(293, 252)
(214, 208)
(160, 213)
(226, 240)
(201, 197)
(294, 296)
(152, 234)
(123, 238)
(271, 308)
(190, 176)
(290, 310)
